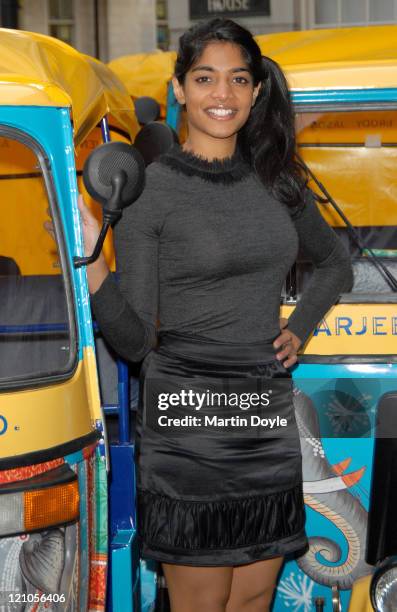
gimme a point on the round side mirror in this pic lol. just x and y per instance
(114, 175)
(154, 139)
(147, 109)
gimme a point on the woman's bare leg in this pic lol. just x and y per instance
(253, 586)
(198, 589)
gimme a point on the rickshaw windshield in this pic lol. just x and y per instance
(37, 329)
(354, 155)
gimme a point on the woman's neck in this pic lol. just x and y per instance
(209, 147)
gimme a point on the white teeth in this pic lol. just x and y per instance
(220, 112)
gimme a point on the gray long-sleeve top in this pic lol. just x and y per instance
(205, 250)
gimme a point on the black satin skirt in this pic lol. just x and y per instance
(217, 453)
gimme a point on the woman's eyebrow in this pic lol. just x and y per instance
(212, 69)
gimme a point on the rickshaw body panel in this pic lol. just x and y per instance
(77, 553)
(337, 403)
(360, 601)
(355, 330)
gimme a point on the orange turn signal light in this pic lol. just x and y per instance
(53, 505)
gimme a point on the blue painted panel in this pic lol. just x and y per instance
(124, 578)
(173, 115)
(148, 572)
(122, 488)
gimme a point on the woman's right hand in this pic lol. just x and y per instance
(98, 270)
(90, 226)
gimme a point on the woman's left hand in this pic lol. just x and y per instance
(290, 344)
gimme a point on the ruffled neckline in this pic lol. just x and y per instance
(226, 170)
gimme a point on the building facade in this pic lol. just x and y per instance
(265, 16)
(259, 16)
(345, 13)
(110, 28)
(103, 28)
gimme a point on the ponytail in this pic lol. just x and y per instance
(268, 138)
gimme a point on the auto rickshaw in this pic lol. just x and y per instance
(344, 88)
(56, 542)
(148, 75)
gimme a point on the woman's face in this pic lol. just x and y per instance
(218, 91)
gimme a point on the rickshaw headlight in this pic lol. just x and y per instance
(25, 507)
(384, 586)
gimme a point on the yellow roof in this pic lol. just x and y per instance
(312, 59)
(37, 70)
(146, 74)
(353, 57)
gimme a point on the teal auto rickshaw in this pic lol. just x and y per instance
(67, 519)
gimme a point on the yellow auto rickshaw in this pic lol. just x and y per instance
(56, 106)
(148, 75)
(344, 88)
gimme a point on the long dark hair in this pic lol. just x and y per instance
(267, 140)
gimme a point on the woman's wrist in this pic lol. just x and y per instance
(96, 274)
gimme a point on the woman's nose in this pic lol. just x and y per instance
(221, 90)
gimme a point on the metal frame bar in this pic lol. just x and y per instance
(346, 99)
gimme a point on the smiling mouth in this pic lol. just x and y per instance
(222, 114)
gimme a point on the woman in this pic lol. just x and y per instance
(205, 251)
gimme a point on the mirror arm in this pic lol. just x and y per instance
(83, 261)
(110, 215)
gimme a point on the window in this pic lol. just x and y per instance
(61, 20)
(9, 14)
(382, 10)
(354, 155)
(37, 329)
(349, 12)
(163, 39)
(161, 10)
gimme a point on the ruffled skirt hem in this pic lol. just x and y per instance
(296, 546)
(221, 532)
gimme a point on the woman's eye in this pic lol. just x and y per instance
(239, 79)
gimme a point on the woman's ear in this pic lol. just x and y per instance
(178, 90)
(255, 93)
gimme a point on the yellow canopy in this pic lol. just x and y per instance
(37, 70)
(338, 58)
(146, 74)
